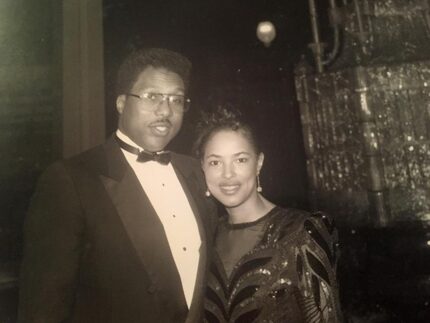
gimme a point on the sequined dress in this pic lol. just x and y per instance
(288, 276)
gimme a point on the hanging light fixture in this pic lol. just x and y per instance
(266, 32)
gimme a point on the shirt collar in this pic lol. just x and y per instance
(127, 140)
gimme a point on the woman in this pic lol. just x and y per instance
(270, 264)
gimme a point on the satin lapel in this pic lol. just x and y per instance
(145, 231)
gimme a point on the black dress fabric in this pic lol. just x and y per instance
(280, 268)
(233, 241)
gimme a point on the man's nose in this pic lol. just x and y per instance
(163, 107)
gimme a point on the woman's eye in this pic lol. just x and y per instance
(242, 160)
(214, 162)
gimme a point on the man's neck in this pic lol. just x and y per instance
(127, 139)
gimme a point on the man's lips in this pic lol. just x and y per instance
(160, 128)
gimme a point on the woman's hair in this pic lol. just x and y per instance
(222, 118)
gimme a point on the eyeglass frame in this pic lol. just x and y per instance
(185, 106)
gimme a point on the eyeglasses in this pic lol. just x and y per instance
(177, 102)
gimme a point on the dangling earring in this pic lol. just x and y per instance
(207, 193)
(259, 189)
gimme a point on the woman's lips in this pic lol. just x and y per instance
(229, 189)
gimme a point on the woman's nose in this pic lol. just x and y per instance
(228, 171)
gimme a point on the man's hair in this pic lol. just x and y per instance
(137, 61)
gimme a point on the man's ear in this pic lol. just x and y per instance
(120, 103)
(260, 162)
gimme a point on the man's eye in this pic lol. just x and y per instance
(214, 163)
(242, 160)
(150, 96)
(177, 99)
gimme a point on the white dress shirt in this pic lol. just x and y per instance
(168, 198)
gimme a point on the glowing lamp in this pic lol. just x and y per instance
(266, 32)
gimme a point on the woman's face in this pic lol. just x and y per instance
(231, 165)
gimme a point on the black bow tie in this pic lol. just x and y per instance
(162, 157)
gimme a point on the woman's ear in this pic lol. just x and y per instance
(120, 103)
(260, 162)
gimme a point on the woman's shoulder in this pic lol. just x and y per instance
(291, 216)
(291, 221)
(288, 217)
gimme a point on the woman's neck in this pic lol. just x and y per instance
(251, 211)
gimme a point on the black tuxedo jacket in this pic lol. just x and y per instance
(96, 251)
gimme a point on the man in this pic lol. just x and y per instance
(120, 233)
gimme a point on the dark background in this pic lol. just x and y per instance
(230, 65)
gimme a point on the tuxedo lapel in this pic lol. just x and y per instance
(143, 227)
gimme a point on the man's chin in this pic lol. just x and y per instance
(157, 145)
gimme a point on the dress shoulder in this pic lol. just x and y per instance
(288, 222)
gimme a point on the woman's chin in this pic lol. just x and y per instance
(229, 201)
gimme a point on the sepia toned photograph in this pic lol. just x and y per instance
(215, 161)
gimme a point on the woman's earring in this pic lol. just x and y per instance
(207, 193)
(259, 189)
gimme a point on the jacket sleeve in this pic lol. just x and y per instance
(53, 233)
(316, 269)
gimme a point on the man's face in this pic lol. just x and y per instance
(152, 129)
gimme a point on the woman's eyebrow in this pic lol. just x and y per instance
(213, 155)
(234, 155)
(242, 153)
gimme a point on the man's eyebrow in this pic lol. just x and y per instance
(178, 90)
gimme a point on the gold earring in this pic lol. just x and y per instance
(259, 188)
(207, 193)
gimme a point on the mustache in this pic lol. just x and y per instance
(161, 121)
